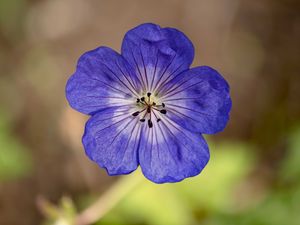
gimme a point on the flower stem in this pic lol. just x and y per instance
(109, 200)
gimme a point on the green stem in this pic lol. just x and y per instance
(110, 199)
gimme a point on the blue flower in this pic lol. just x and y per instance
(147, 106)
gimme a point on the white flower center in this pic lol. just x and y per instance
(148, 109)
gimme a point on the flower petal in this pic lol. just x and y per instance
(158, 54)
(169, 153)
(102, 79)
(198, 100)
(111, 139)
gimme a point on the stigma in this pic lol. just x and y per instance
(149, 109)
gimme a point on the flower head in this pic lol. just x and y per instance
(147, 106)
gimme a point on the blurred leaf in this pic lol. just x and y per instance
(290, 169)
(174, 204)
(212, 190)
(281, 205)
(15, 161)
(63, 214)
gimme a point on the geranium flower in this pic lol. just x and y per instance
(147, 106)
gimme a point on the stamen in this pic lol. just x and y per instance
(155, 115)
(143, 119)
(163, 111)
(136, 113)
(148, 106)
(162, 105)
(150, 124)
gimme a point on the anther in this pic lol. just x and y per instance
(163, 111)
(154, 103)
(136, 113)
(158, 120)
(142, 120)
(150, 124)
(163, 105)
(137, 100)
(148, 94)
(142, 99)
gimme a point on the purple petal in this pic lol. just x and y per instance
(111, 139)
(157, 54)
(102, 79)
(198, 100)
(169, 153)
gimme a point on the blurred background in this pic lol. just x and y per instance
(253, 175)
